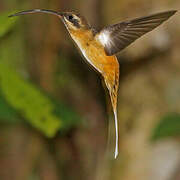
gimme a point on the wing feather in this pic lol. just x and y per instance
(118, 36)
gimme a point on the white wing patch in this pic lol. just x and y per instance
(104, 38)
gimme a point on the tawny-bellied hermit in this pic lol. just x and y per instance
(99, 48)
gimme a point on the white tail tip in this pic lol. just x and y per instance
(116, 152)
(117, 133)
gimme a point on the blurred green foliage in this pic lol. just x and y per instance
(28, 100)
(41, 111)
(5, 24)
(168, 126)
(21, 97)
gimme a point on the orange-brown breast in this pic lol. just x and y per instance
(94, 53)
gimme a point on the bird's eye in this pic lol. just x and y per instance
(73, 19)
(70, 17)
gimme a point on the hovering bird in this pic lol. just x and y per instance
(99, 48)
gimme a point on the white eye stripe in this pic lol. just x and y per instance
(75, 17)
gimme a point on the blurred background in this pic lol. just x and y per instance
(53, 109)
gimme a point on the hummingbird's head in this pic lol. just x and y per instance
(73, 21)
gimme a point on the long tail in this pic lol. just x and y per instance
(112, 83)
(113, 95)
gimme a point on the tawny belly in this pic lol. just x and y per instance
(97, 58)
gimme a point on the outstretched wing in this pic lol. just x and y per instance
(118, 36)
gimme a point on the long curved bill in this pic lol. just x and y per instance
(37, 11)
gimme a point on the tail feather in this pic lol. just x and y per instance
(116, 129)
(112, 85)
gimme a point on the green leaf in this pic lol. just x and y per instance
(34, 106)
(168, 126)
(7, 113)
(6, 24)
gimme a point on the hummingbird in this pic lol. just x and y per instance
(99, 48)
